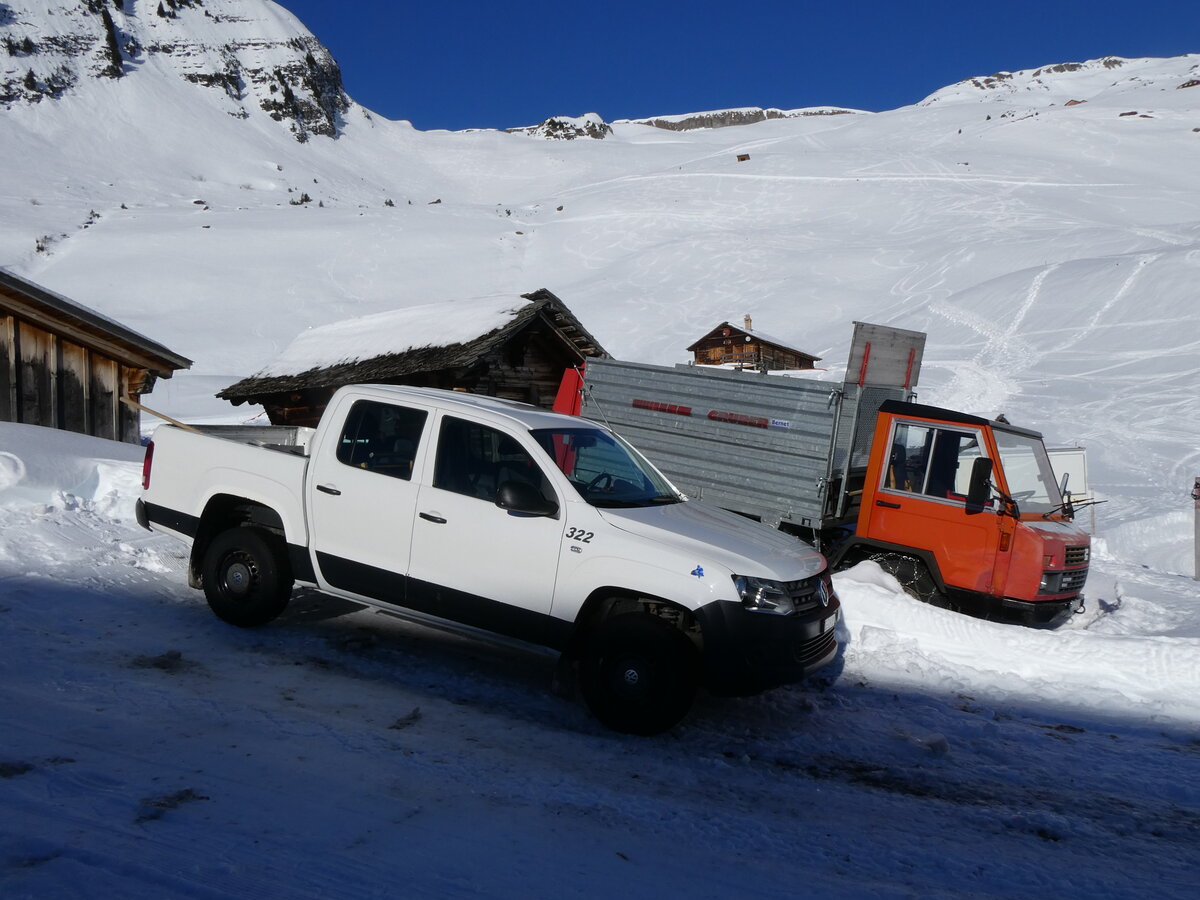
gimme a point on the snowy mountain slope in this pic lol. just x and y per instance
(1108, 81)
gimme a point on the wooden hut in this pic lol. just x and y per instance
(743, 347)
(515, 347)
(65, 366)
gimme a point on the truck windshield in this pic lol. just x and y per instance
(604, 469)
(1028, 473)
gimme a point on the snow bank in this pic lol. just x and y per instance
(59, 468)
(892, 639)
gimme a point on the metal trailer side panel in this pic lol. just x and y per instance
(753, 443)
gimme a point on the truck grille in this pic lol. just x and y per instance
(813, 650)
(809, 593)
(1073, 581)
(1076, 556)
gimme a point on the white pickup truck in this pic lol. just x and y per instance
(504, 517)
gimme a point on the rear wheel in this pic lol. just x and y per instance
(913, 576)
(638, 674)
(246, 577)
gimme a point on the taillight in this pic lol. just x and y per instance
(147, 462)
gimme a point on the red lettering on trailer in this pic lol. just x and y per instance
(656, 406)
(739, 419)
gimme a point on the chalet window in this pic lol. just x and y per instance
(381, 437)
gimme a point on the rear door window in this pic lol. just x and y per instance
(382, 437)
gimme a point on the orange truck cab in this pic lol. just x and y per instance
(966, 511)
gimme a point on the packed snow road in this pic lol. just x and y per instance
(149, 750)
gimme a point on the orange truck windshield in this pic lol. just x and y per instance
(1027, 471)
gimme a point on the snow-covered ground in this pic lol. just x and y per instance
(1051, 252)
(151, 751)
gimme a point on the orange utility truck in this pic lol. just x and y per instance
(964, 511)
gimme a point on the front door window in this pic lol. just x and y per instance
(932, 461)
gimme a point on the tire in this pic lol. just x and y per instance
(913, 576)
(638, 674)
(246, 577)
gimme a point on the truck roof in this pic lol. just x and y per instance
(951, 415)
(526, 414)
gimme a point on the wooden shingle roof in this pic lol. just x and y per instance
(55, 313)
(408, 360)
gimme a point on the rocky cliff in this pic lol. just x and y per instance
(723, 118)
(258, 57)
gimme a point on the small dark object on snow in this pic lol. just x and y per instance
(171, 661)
(407, 721)
(154, 807)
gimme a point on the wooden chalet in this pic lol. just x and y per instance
(745, 348)
(520, 354)
(65, 366)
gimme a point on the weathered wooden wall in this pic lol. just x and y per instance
(51, 381)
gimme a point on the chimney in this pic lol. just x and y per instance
(749, 323)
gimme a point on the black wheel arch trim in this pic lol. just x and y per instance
(219, 514)
(598, 605)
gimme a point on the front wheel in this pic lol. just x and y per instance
(913, 576)
(638, 674)
(246, 577)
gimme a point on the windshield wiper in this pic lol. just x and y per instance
(632, 502)
(1069, 507)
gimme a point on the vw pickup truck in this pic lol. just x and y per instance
(503, 517)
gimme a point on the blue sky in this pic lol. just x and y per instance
(470, 64)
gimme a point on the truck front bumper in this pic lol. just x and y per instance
(1043, 613)
(1032, 613)
(749, 652)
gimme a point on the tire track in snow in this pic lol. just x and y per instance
(987, 381)
(1093, 323)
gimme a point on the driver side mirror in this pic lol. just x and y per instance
(521, 498)
(980, 490)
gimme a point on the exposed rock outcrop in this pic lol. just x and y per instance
(566, 128)
(260, 58)
(723, 118)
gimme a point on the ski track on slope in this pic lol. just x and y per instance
(1087, 331)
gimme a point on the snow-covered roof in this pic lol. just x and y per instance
(395, 331)
(390, 345)
(57, 313)
(756, 335)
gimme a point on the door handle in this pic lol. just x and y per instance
(328, 489)
(429, 517)
(888, 505)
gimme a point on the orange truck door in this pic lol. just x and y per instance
(916, 497)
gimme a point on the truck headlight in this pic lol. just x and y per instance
(763, 595)
(1051, 583)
